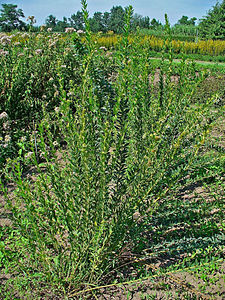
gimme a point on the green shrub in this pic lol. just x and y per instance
(126, 148)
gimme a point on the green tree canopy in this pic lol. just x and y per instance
(139, 21)
(51, 21)
(62, 25)
(155, 24)
(184, 20)
(212, 26)
(10, 18)
(105, 21)
(96, 22)
(116, 22)
(77, 21)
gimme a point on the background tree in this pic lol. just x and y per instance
(155, 24)
(145, 22)
(185, 26)
(116, 22)
(212, 26)
(192, 21)
(106, 21)
(136, 21)
(186, 21)
(10, 18)
(77, 21)
(51, 21)
(62, 25)
(140, 21)
(96, 22)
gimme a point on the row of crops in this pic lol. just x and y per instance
(209, 47)
(202, 47)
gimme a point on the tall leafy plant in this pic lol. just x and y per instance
(123, 153)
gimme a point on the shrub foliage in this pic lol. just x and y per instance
(212, 25)
(106, 144)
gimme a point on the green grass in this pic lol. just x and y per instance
(200, 65)
(208, 59)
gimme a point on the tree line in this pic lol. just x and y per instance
(210, 26)
(10, 19)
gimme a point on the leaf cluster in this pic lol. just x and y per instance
(10, 18)
(212, 26)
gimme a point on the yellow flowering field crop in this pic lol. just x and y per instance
(209, 47)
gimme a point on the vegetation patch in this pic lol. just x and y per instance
(112, 169)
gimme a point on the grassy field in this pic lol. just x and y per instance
(112, 170)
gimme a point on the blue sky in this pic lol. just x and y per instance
(152, 8)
